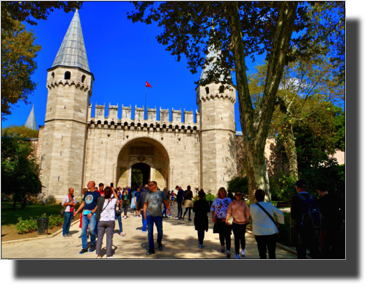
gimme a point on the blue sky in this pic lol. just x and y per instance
(122, 56)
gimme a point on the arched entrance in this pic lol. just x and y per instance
(140, 174)
(142, 156)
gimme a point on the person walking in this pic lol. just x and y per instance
(118, 215)
(89, 206)
(331, 235)
(140, 206)
(106, 220)
(307, 235)
(153, 214)
(264, 227)
(167, 198)
(69, 202)
(188, 202)
(179, 201)
(126, 202)
(201, 208)
(219, 209)
(239, 210)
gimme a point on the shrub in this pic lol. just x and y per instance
(30, 225)
(238, 183)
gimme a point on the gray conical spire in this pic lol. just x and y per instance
(31, 121)
(212, 54)
(73, 51)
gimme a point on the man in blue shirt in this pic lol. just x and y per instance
(89, 206)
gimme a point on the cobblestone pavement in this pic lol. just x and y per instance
(179, 242)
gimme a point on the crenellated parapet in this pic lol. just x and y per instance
(175, 124)
(77, 84)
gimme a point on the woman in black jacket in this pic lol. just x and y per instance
(201, 208)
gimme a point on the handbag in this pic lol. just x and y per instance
(230, 220)
(278, 232)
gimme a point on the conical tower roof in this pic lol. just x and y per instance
(31, 121)
(212, 54)
(73, 51)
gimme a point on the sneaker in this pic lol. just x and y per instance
(65, 235)
(237, 256)
(160, 247)
(122, 234)
(189, 220)
(228, 254)
(201, 246)
(222, 249)
(243, 253)
(92, 248)
(98, 256)
(144, 231)
(83, 251)
(69, 235)
(109, 257)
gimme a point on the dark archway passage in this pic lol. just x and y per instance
(140, 174)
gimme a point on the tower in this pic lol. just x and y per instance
(31, 121)
(69, 84)
(217, 132)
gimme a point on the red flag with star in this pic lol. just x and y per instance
(147, 84)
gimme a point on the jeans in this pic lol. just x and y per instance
(179, 210)
(120, 224)
(164, 212)
(68, 216)
(144, 222)
(239, 236)
(92, 224)
(201, 236)
(125, 206)
(158, 221)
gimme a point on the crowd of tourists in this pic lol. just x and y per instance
(317, 222)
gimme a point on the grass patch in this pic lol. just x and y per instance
(9, 216)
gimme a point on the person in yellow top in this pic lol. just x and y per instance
(240, 212)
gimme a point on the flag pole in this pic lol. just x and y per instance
(145, 110)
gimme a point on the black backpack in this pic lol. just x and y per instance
(311, 215)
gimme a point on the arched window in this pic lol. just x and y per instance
(67, 75)
(83, 78)
(221, 89)
(207, 90)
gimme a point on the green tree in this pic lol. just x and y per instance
(19, 131)
(31, 11)
(19, 171)
(305, 100)
(17, 65)
(238, 30)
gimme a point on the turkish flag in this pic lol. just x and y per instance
(147, 84)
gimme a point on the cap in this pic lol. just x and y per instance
(301, 184)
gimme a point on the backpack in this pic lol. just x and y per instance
(311, 215)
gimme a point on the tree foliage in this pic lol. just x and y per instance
(19, 171)
(19, 131)
(284, 31)
(31, 11)
(18, 50)
(17, 65)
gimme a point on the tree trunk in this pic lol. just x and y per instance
(255, 122)
(291, 152)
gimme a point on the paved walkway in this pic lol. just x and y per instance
(179, 242)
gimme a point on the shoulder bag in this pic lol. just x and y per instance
(278, 233)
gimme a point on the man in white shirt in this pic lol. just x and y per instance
(69, 202)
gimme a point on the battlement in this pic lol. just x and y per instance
(166, 119)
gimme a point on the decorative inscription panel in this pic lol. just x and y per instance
(136, 150)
